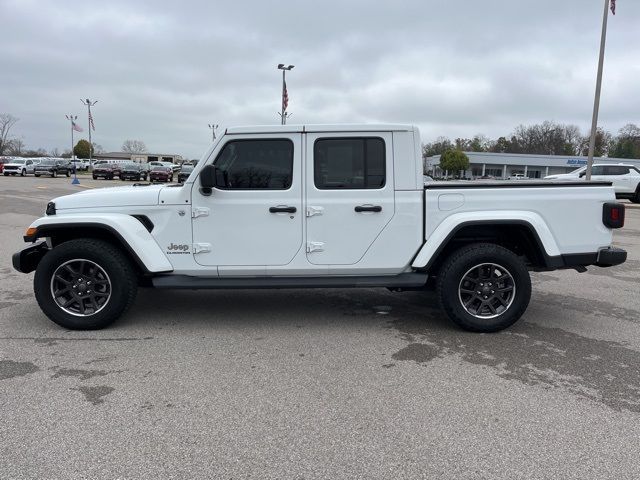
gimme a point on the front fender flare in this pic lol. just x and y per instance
(131, 233)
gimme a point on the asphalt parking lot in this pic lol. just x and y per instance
(319, 384)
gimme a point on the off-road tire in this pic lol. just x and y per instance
(68, 173)
(459, 263)
(23, 172)
(54, 174)
(95, 177)
(123, 282)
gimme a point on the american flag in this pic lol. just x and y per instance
(285, 97)
(76, 127)
(91, 124)
(613, 6)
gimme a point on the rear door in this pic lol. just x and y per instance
(621, 178)
(350, 194)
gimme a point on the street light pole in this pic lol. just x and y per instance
(89, 104)
(213, 128)
(285, 94)
(596, 101)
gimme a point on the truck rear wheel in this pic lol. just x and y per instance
(85, 284)
(484, 287)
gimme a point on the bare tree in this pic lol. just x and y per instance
(6, 122)
(15, 147)
(134, 146)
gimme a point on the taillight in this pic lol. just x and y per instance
(613, 215)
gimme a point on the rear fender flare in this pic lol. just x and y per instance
(447, 229)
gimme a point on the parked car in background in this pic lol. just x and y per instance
(173, 166)
(54, 167)
(19, 166)
(80, 165)
(185, 171)
(161, 173)
(106, 170)
(517, 176)
(625, 178)
(133, 171)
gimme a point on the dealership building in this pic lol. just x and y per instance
(503, 165)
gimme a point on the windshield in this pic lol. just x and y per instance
(131, 165)
(186, 168)
(18, 162)
(578, 170)
(159, 168)
(47, 162)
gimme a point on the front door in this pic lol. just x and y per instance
(253, 217)
(350, 195)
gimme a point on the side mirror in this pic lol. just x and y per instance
(583, 174)
(207, 179)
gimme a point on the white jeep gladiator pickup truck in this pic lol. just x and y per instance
(310, 206)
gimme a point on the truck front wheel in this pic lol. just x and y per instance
(85, 284)
(484, 287)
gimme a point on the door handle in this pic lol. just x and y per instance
(282, 209)
(368, 208)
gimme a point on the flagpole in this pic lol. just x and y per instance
(283, 113)
(596, 101)
(89, 104)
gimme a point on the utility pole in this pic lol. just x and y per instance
(285, 95)
(90, 104)
(596, 101)
(72, 119)
(213, 128)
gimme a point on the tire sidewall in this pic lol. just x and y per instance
(103, 257)
(451, 278)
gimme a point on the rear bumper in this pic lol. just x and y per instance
(607, 257)
(27, 259)
(611, 256)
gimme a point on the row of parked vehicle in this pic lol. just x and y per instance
(153, 171)
(105, 169)
(37, 166)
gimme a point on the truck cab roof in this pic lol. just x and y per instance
(336, 127)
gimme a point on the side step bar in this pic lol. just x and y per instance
(404, 280)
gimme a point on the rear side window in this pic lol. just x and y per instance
(616, 170)
(349, 163)
(255, 165)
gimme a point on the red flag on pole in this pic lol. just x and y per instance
(613, 6)
(285, 97)
(76, 127)
(91, 124)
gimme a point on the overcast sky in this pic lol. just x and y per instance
(163, 70)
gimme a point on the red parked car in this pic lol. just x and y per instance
(161, 174)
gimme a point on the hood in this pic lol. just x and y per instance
(111, 197)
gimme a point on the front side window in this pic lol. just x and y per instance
(255, 165)
(597, 170)
(349, 163)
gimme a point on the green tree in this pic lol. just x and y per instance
(454, 161)
(82, 149)
(627, 144)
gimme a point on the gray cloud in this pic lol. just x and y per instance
(163, 70)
